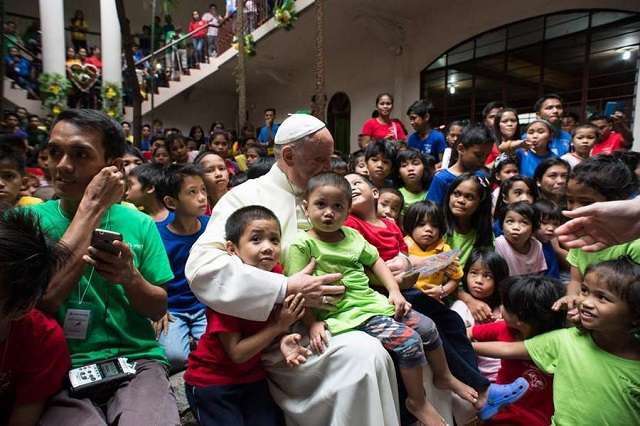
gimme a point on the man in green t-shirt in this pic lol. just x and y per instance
(104, 301)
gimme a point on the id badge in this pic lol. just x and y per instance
(76, 323)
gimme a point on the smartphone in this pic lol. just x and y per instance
(103, 239)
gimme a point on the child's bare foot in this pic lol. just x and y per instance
(448, 382)
(425, 412)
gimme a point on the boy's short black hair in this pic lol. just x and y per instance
(353, 159)
(266, 110)
(590, 127)
(598, 117)
(329, 179)
(173, 139)
(492, 105)
(394, 192)
(530, 298)
(28, 260)
(365, 179)
(548, 211)
(338, 162)
(607, 175)
(239, 220)
(173, 177)
(475, 134)
(381, 147)
(525, 210)
(541, 99)
(11, 157)
(261, 167)
(149, 175)
(421, 211)
(420, 108)
(111, 132)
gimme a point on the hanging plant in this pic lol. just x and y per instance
(249, 44)
(285, 15)
(112, 100)
(53, 91)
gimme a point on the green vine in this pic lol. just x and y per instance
(249, 44)
(54, 89)
(285, 15)
(112, 100)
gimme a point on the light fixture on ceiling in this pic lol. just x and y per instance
(452, 89)
(626, 53)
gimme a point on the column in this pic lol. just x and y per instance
(110, 43)
(635, 126)
(53, 40)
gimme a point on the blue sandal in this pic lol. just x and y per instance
(502, 395)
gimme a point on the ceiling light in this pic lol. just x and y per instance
(452, 89)
(626, 55)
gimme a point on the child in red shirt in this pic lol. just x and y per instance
(526, 309)
(33, 352)
(225, 380)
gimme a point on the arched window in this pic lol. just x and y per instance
(587, 57)
(339, 121)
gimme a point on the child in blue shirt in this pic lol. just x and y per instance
(536, 147)
(184, 193)
(473, 148)
(425, 139)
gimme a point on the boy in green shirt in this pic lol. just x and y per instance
(104, 301)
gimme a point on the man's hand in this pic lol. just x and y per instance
(117, 269)
(293, 353)
(317, 291)
(600, 225)
(106, 188)
(162, 325)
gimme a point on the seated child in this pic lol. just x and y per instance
(600, 178)
(584, 137)
(513, 189)
(141, 191)
(380, 156)
(504, 167)
(554, 255)
(484, 272)
(424, 225)
(526, 310)
(357, 163)
(340, 249)
(415, 172)
(34, 359)
(517, 245)
(183, 192)
(225, 380)
(473, 148)
(596, 368)
(381, 232)
(12, 178)
(390, 203)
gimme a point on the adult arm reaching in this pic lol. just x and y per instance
(601, 225)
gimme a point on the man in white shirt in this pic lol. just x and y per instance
(353, 382)
(212, 18)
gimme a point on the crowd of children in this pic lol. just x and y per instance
(567, 320)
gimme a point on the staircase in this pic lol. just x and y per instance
(226, 54)
(18, 98)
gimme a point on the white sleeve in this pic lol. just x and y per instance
(223, 282)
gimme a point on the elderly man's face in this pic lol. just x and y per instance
(311, 158)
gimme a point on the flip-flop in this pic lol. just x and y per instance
(501, 395)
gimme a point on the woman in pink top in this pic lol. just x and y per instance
(383, 126)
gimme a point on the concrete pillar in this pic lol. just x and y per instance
(53, 40)
(110, 43)
(635, 126)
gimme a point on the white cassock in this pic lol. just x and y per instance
(353, 383)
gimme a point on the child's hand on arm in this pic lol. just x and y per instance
(318, 336)
(291, 311)
(480, 311)
(570, 300)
